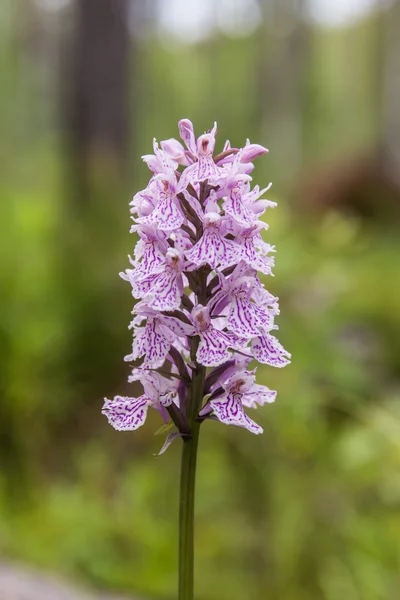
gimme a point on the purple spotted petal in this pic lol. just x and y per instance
(180, 328)
(157, 387)
(214, 249)
(181, 240)
(126, 414)
(142, 287)
(204, 168)
(164, 292)
(167, 214)
(152, 343)
(139, 288)
(213, 348)
(246, 318)
(258, 396)
(266, 349)
(236, 208)
(236, 342)
(152, 257)
(254, 258)
(229, 410)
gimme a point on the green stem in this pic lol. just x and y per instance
(187, 489)
(186, 515)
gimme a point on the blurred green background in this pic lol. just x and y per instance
(309, 510)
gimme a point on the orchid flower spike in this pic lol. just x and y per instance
(202, 312)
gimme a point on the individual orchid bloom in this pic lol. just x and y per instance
(245, 317)
(150, 252)
(213, 248)
(235, 206)
(248, 308)
(237, 168)
(143, 202)
(205, 168)
(254, 251)
(265, 300)
(160, 161)
(243, 204)
(127, 414)
(213, 347)
(218, 377)
(255, 203)
(164, 289)
(153, 340)
(167, 214)
(225, 286)
(201, 151)
(162, 389)
(228, 407)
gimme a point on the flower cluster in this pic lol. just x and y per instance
(201, 306)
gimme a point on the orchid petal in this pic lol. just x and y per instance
(187, 134)
(252, 151)
(258, 396)
(266, 349)
(175, 150)
(213, 248)
(213, 348)
(163, 292)
(126, 414)
(152, 343)
(229, 410)
(246, 318)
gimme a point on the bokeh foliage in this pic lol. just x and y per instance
(310, 510)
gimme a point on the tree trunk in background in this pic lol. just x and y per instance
(99, 98)
(283, 55)
(95, 108)
(391, 91)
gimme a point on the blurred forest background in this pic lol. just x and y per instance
(309, 511)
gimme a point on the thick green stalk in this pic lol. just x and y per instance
(186, 515)
(187, 489)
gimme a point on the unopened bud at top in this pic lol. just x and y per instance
(252, 151)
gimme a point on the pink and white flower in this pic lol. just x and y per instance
(201, 305)
(126, 414)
